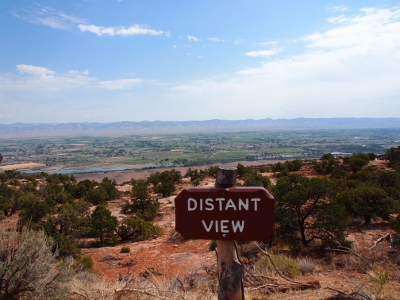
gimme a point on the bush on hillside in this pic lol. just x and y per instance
(28, 266)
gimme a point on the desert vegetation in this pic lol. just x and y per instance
(49, 222)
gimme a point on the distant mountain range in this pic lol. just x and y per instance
(34, 130)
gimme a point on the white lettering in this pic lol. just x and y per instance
(238, 225)
(205, 226)
(230, 204)
(220, 203)
(209, 204)
(224, 226)
(191, 200)
(244, 205)
(255, 200)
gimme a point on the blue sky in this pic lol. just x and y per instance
(126, 60)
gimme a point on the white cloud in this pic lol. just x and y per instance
(34, 70)
(48, 16)
(57, 19)
(113, 31)
(74, 72)
(119, 84)
(337, 8)
(268, 43)
(192, 38)
(373, 31)
(347, 70)
(35, 78)
(263, 53)
(214, 39)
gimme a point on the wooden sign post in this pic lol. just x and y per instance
(225, 213)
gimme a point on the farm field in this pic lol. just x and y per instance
(22, 166)
(185, 150)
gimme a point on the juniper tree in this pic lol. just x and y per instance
(304, 211)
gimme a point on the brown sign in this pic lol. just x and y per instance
(236, 213)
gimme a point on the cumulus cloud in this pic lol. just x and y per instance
(375, 30)
(192, 38)
(75, 72)
(34, 70)
(113, 31)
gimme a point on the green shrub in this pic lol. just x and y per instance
(125, 250)
(83, 263)
(135, 227)
(286, 265)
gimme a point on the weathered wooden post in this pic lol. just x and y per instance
(225, 213)
(230, 269)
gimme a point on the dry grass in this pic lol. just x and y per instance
(89, 286)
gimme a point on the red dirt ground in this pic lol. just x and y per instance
(170, 256)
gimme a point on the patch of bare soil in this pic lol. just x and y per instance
(167, 256)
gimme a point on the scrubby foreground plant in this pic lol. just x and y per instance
(28, 267)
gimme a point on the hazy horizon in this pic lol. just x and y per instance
(114, 61)
(209, 120)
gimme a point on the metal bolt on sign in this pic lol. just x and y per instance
(225, 213)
